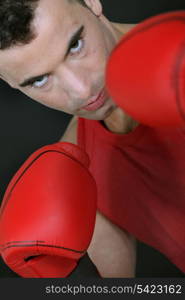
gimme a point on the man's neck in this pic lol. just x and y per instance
(119, 122)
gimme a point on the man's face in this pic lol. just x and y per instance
(63, 67)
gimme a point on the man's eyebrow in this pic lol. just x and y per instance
(72, 40)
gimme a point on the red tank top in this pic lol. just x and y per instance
(141, 182)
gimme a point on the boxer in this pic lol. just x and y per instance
(68, 74)
(59, 60)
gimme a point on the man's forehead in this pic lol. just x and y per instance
(49, 11)
(51, 23)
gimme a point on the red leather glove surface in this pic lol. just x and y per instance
(146, 71)
(48, 213)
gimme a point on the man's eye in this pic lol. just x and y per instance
(77, 46)
(40, 82)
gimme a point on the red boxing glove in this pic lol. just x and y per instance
(48, 213)
(146, 71)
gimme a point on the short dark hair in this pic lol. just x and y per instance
(16, 17)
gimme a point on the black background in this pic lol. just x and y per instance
(26, 125)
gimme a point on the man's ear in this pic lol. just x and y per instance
(95, 6)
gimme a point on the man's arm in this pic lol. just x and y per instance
(112, 250)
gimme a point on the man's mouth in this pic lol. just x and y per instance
(96, 102)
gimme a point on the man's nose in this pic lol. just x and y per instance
(76, 83)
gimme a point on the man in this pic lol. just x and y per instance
(56, 53)
(61, 63)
